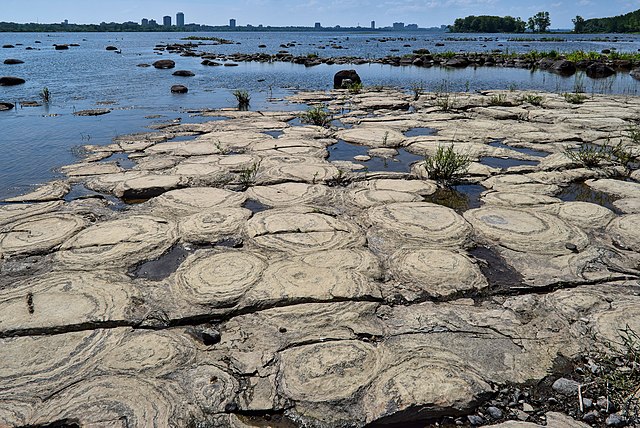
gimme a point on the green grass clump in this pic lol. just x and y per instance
(532, 99)
(45, 95)
(574, 98)
(446, 164)
(418, 89)
(589, 155)
(248, 175)
(499, 100)
(243, 97)
(355, 88)
(316, 116)
(580, 55)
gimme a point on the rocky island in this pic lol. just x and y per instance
(240, 273)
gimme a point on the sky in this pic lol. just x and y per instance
(425, 13)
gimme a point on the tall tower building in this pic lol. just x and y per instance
(145, 22)
(373, 25)
(166, 21)
(180, 19)
(232, 23)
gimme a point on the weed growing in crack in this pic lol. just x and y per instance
(418, 89)
(574, 98)
(446, 164)
(316, 116)
(248, 175)
(243, 97)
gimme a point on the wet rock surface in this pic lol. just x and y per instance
(246, 279)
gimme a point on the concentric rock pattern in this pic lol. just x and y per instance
(296, 291)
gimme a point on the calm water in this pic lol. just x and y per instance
(34, 141)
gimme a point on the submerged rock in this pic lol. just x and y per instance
(164, 64)
(342, 75)
(11, 81)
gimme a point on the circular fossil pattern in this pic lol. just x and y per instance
(421, 187)
(37, 235)
(526, 231)
(367, 198)
(61, 299)
(219, 279)
(288, 194)
(302, 230)
(118, 243)
(625, 231)
(438, 273)
(585, 215)
(14, 212)
(424, 222)
(212, 226)
(438, 384)
(511, 199)
(197, 199)
(327, 371)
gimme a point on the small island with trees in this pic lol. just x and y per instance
(541, 22)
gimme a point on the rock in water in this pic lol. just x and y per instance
(599, 71)
(164, 64)
(179, 89)
(184, 73)
(11, 81)
(11, 61)
(112, 48)
(6, 106)
(342, 75)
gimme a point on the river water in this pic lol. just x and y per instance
(35, 141)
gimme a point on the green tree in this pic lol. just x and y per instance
(578, 24)
(539, 22)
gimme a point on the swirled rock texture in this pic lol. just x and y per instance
(241, 277)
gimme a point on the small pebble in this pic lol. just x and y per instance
(527, 407)
(587, 403)
(566, 386)
(494, 412)
(615, 421)
(475, 420)
(591, 417)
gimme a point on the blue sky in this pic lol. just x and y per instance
(426, 13)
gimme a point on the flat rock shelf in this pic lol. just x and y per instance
(248, 278)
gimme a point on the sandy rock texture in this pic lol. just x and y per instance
(252, 274)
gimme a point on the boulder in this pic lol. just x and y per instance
(184, 73)
(164, 64)
(342, 75)
(635, 73)
(457, 62)
(112, 48)
(6, 106)
(61, 47)
(11, 61)
(8, 46)
(179, 89)
(210, 63)
(11, 81)
(562, 67)
(599, 70)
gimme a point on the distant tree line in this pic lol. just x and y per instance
(488, 24)
(628, 23)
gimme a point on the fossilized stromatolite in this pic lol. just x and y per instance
(36, 235)
(526, 231)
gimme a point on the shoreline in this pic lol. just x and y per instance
(271, 271)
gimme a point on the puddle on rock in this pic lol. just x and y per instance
(343, 151)
(339, 124)
(524, 150)
(499, 274)
(579, 191)
(420, 132)
(274, 134)
(122, 159)
(505, 163)
(295, 122)
(184, 138)
(461, 198)
(273, 421)
(255, 206)
(79, 192)
(167, 264)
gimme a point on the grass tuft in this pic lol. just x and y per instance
(446, 164)
(316, 116)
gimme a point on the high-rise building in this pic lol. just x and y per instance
(166, 21)
(180, 19)
(318, 26)
(398, 25)
(232, 23)
(373, 25)
(152, 23)
(145, 22)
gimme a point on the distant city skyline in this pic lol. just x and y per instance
(424, 13)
